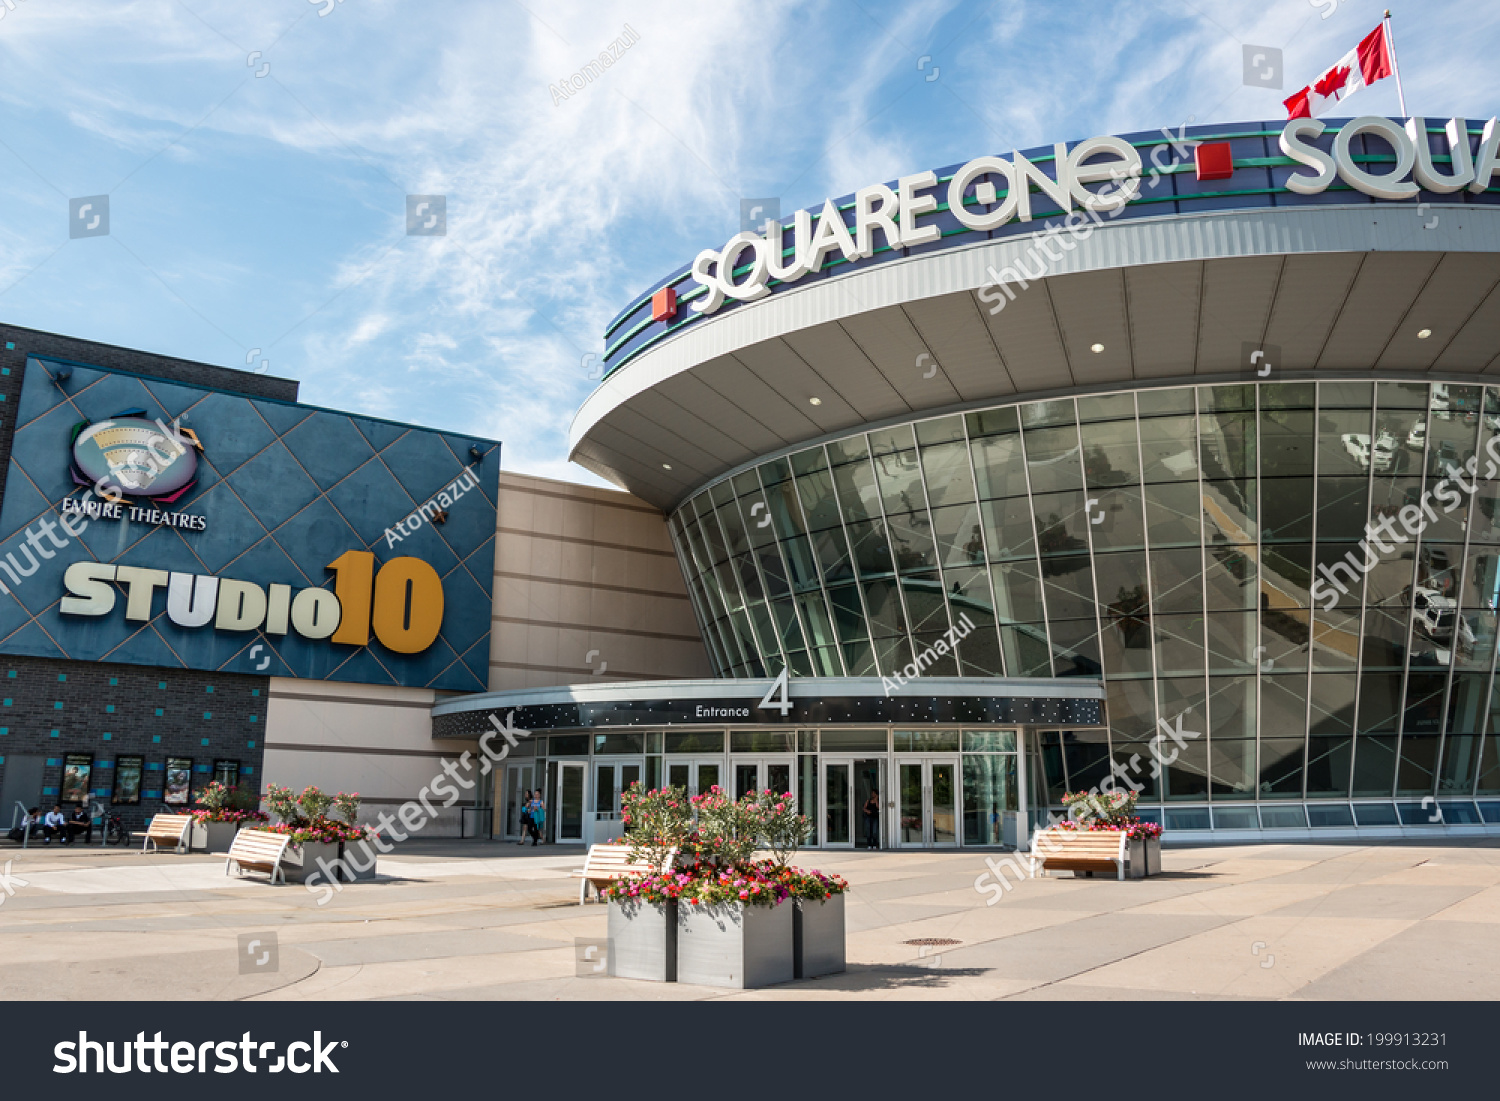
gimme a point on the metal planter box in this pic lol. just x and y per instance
(735, 945)
(363, 853)
(301, 861)
(212, 837)
(643, 940)
(818, 937)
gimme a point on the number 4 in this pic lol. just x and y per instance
(770, 702)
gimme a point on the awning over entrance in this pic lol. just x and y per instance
(1035, 701)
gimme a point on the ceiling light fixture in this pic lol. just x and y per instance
(1096, 348)
(1423, 334)
(666, 466)
(814, 401)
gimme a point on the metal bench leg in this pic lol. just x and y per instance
(583, 891)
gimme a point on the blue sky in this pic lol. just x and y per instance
(269, 211)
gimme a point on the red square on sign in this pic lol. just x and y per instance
(1213, 160)
(664, 304)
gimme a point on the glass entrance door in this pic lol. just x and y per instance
(836, 829)
(611, 780)
(518, 784)
(758, 774)
(696, 776)
(927, 793)
(568, 806)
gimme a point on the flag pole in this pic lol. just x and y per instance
(1390, 43)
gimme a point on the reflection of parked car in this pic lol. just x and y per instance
(1416, 439)
(1383, 453)
(1358, 448)
(1437, 616)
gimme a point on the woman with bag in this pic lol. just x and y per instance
(526, 827)
(538, 818)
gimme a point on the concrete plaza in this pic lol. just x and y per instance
(480, 920)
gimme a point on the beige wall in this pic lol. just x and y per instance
(358, 737)
(579, 569)
(576, 569)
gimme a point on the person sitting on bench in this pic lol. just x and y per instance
(55, 824)
(80, 822)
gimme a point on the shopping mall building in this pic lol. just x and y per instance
(1162, 462)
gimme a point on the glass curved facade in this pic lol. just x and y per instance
(1203, 549)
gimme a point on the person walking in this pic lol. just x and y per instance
(538, 818)
(525, 816)
(872, 820)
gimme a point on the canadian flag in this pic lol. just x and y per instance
(1365, 64)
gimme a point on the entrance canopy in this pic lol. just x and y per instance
(863, 701)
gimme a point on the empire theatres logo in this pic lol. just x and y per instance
(130, 456)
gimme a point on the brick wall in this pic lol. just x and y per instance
(53, 708)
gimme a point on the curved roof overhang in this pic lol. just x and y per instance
(1341, 284)
(991, 701)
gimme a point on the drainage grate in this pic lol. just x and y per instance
(933, 942)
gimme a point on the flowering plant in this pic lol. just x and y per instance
(1113, 811)
(217, 803)
(305, 816)
(759, 883)
(656, 822)
(325, 831)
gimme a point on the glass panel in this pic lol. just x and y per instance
(931, 741)
(848, 741)
(1173, 514)
(807, 792)
(999, 468)
(568, 745)
(836, 799)
(1053, 459)
(944, 803)
(604, 789)
(989, 741)
(989, 791)
(945, 470)
(1007, 528)
(708, 776)
(617, 742)
(696, 741)
(910, 810)
(779, 777)
(760, 741)
(679, 775)
(1169, 449)
(1374, 764)
(1111, 454)
(745, 781)
(570, 800)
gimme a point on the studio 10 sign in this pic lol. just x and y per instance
(157, 523)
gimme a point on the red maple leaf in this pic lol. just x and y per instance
(1333, 82)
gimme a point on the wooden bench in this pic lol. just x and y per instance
(1079, 851)
(258, 851)
(168, 828)
(607, 863)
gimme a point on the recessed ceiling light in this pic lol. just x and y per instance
(814, 401)
(666, 466)
(1423, 334)
(1096, 348)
